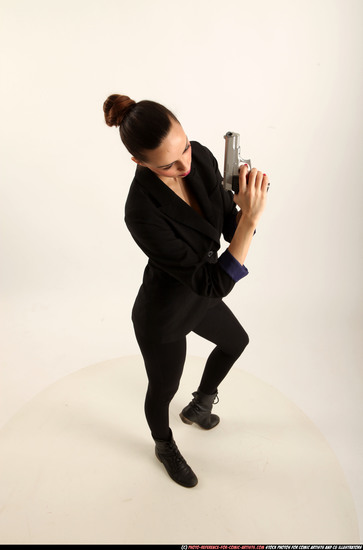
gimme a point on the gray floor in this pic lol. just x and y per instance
(78, 466)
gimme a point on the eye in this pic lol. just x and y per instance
(170, 166)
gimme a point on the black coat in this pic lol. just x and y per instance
(183, 277)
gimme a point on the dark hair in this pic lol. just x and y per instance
(143, 125)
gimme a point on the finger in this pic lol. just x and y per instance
(252, 178)
(265, 183)
(259, 179)
(243, 171)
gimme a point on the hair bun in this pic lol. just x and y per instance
(116, 107)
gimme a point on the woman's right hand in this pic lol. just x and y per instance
(251, 197)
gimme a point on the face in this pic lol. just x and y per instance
(172, 159)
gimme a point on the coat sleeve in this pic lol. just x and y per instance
(172, 255)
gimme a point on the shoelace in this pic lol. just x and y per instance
(176, 455)
(195, 403)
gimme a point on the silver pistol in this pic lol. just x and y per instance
(232, 162)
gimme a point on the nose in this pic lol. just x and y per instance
(183, 166)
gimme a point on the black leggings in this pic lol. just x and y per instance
(165, 362)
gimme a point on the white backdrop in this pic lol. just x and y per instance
(287, 75)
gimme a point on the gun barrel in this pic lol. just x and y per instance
(231, 161)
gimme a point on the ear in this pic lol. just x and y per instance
(137, 161)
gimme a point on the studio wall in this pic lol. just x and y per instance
(286, 75)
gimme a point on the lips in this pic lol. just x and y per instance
(186, 173)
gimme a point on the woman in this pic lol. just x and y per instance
(176, 211)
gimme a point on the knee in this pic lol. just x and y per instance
(244, 341)
(161, 393)
(240, 343)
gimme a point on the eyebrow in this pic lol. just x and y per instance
(170, 163)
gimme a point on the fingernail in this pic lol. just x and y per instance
(264, 174)
(246, 164)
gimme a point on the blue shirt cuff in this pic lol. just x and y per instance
(232, 266)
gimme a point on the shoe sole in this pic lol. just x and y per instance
(189, 422)
(185, 420)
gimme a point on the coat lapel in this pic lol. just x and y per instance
(174, 207)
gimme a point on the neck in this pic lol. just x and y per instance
(171, 182)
